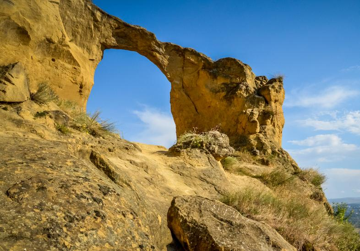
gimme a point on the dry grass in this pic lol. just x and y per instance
(277, 177)
(88, 123)
(93, 124)
(299, 220)
(193, 140)
(279, 76)
(313, 176)
(43, 95)
(231, 164)
(63, 129)
(246, 156)
(228, 163)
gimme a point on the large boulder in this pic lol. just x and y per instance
(203, 224)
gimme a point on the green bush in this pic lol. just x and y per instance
(43, 95)
(340, 212)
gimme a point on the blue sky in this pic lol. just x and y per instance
(315, 44)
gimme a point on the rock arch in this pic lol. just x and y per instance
(64, 47)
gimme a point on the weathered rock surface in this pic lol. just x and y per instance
(213, 142)
(62, 42)
(13, 83)
(203, 224)
(79, 192)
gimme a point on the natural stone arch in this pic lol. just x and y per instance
(204, 94)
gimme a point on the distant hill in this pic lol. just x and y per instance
(350, 200)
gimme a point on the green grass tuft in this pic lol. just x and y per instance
(63, 129)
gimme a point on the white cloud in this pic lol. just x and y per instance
(349, 122)
(352, 68)
(328, 98)
(159, 127)
(340, 180)
(322, 148)
(319, 140)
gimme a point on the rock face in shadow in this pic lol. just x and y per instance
(203, 224)
(62, 42)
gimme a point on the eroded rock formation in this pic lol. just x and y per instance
(64, 187)
(62, 42)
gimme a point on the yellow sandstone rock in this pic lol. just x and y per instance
(61, 43)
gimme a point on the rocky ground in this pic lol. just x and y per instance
(67, 189)
(76, 191)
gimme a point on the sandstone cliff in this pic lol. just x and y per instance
(62, 42)
(67, 183)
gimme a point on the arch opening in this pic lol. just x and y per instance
(133, 93)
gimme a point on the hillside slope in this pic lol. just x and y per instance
(68, 182)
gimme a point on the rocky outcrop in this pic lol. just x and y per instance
(202, 224)
(212, 142)
(61, 43)
(13, 84)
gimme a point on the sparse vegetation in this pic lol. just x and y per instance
(193, 140)
(341, 213)
(247, 157)
(92, 124)
(41, 114)
(317, 195)
(279, 76)
(43, 95)
(88, 123)
(313, 176)
(228, 162)
(275, 178)
(232, 165)
(302, 222)
(63, 129)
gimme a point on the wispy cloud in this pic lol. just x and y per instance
(159, 127)
(340, 179)
(351, 68)
(322, 148)
(349, 122)
(328, 98)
